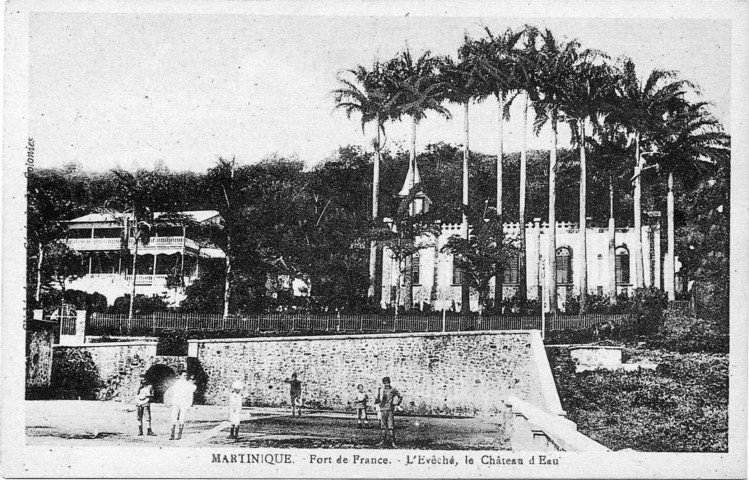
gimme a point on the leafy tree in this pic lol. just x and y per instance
(406, 235)
(696, 143)
(134, 197)
(483, 255)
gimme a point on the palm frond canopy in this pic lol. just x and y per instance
(695, 142)
(369, 93)
(416, 85)
(641, 106)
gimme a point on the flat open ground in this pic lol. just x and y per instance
(70, 422)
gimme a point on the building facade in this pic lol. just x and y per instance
(436, 281)
(165, 265)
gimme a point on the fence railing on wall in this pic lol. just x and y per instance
(282, 322)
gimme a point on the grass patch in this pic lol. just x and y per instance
(682, 406)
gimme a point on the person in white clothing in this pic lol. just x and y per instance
(235, 408)
(180, 398)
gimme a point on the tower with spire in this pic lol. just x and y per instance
(420, 202)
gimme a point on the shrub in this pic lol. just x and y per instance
(686, 333)
(142, 304)
(682, 406)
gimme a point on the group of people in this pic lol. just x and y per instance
(386, 401)
(179, 397)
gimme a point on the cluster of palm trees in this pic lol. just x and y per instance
(602, 101)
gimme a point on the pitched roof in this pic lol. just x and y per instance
(412, 178)
(198, 216)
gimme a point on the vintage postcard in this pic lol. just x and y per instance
(350, 239)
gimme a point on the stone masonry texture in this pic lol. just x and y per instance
(449, 374)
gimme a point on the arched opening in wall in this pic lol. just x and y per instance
(161, 377)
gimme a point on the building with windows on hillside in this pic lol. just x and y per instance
(436, 281)
(167, 263)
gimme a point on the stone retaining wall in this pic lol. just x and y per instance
(39, 339)
(466, 373)
(101, 371)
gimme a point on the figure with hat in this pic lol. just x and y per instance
(143, 405)
(388, 398)
(235, 408)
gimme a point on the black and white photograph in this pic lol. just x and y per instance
(255, 240)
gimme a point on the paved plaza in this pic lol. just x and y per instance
(72, 423)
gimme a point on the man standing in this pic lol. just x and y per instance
(295, 393)
(181, 398)
(143, 405)
(387, 398)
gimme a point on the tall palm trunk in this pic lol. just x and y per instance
(408, 289)
(522, 278)
(670, 267)
(398, 293)
(612, 244)
(227, 284)
(583, 224)
(639, 269)
(465, 294)
(552, 274)
(39, 263)
(372, 292)
(136, 237)
(500, 157)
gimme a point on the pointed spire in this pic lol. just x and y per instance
(412, 178)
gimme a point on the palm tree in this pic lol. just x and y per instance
(694, 142)
(526, 67)
(588, 97)
(367, 94)
(640, 110)
(555, 66)
(497, 68)
(463, 83)
(610, 166)
(416, 84)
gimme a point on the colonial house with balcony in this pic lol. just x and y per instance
(167, 263)
(435, 279)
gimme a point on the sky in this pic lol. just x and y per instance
(133, 90)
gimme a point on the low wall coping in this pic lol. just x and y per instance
(359, 336)
(561, 431)
(109, 344)
(596, 347)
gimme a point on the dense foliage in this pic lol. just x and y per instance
(682, 406)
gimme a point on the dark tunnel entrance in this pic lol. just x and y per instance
(161, 377)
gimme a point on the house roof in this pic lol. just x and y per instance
(198, 216)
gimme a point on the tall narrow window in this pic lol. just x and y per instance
(416, 269)
(622, 265)
(511, 271)
(564, 265)
(457, 274)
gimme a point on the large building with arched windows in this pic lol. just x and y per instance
(434, 279)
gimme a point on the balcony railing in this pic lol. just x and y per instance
(94, 243)
(154, 243)
(143, 280)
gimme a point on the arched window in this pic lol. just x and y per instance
(564, 265)
(511, 270)
(416, 269)
(457, 274)
(622, 265)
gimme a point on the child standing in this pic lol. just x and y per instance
(295, 392)
(362, 399)
(235, 408)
